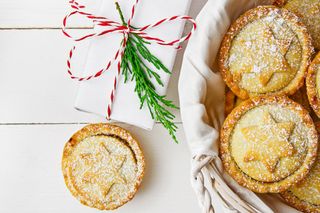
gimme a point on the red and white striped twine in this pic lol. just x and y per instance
(115, 27)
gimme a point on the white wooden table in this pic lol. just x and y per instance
(37, 118)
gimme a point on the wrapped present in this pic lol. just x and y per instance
(104, 92)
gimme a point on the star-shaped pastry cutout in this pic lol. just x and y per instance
(268, 142)
(274, 48)
(105, 169)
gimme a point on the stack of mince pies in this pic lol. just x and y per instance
(269, 139)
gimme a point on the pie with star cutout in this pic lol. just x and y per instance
(268, 143)
(265, 52)
(103, 166)
(305, 196)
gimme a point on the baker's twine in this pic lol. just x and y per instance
(108, 27)
(212, 191)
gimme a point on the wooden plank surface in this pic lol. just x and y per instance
(49, 13)
(31, 180)
(34, 84)
(39, 13)
(37, 118)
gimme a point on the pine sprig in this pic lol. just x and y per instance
(134, 68)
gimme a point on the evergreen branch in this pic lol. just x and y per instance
(134, 68)
(120, 13)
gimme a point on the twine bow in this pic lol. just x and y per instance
(115, 27)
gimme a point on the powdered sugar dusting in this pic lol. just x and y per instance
(266, 53)
(103, 169)
(309, 189)
(288, 161)
(309, 11)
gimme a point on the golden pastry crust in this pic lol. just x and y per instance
(231, 101)
(279, 179)
(299, 203)
(279, 3)
(309, 12)
(313, 86)
(257, 57)
(301, 97)
(103, 166)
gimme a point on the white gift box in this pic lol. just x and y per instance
(93, 95)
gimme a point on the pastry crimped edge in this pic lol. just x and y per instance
(294, 201)
(229, 102)
(301, 205)
(314, 98)
(315, 37)
(231, 166)
(239, 24)
(108, 130)
(279, 3)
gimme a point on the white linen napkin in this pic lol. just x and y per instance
(93, 95)
(201, 91)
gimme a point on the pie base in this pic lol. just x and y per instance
(257, 13)
(232, 167)
(96, 130)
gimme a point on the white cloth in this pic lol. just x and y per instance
(94, 95)
(201, 91)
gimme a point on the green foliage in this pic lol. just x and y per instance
(135, 69)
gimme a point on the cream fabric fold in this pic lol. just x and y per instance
(201, 92)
